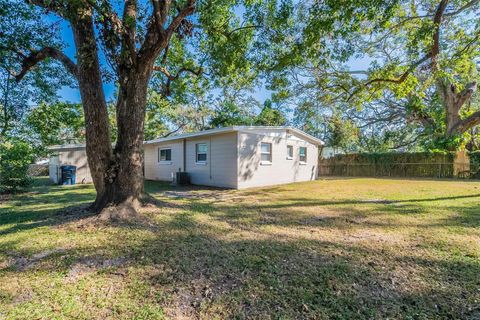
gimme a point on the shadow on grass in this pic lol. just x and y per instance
(204, 269)
(201, 274)
(332, 213)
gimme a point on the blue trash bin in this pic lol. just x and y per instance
(69, 175)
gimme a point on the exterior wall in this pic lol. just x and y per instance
(73, 157)
(53, 169)
(253, 173)
(233, 159)
(220, 169)
(163, 171)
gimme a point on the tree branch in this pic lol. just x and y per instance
(463, 8)
(432, 55)
(437, 20)
(466, 94)
(130, 28)
(467, 123)
(174, 131)
(48, 52)
(160, 12)
(171, 77)
(177, 20)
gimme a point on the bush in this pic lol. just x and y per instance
(15, 158)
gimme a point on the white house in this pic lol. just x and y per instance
(233, 157)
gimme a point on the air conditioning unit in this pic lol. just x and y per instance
(182, 178)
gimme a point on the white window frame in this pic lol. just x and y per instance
(201, 162)
(289, 148)
(300, 155)
(266, 162)
(160, 157)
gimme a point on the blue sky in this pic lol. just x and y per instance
(73, 95)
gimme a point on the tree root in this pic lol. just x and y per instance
(127, 211)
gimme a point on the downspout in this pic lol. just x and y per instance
(210, 156)
(184, 155)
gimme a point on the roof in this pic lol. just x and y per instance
(65, 147)
(305, 135)
(298, 132)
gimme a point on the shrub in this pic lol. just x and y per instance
(15, 158)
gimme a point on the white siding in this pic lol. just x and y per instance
(163, 171)
(253, 173)
(233, 159)
(220, 168)
(53, 169)
(78, 158)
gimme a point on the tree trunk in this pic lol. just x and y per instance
(453, 102)
(125, 185)
(98, 144)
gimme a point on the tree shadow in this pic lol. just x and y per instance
(210, 258)
(202, 272)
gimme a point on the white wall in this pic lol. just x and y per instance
(220, 168)
(78, 158)
(252, 173)
(163, 171)
(233, 160)
(53, 169)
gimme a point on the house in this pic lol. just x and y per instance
(234, 157)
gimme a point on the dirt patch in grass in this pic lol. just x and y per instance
(21, 263)
(87, 265)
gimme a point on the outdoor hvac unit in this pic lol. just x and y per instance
(182, 178)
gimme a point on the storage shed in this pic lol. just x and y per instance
(71, 155)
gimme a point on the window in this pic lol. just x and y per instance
(164, 155)
(201, 152)
(289, 152)
(266, 152)
(303, 154)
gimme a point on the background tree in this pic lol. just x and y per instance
(270, 116)
(58, 123)
(342, 134)
(22, 27)
(234, 108)
(15, 158)
(423, 70)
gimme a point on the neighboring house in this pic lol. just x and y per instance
(233, 157)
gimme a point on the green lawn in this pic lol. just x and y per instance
(329, 249)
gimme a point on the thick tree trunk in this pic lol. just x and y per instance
(117, 174)
(98, 144)
(453, 102)
(125, 187)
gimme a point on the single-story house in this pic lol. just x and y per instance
(234, 157)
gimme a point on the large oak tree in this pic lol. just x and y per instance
(417, 65)
(134, 37)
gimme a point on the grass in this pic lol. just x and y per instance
(329, 249)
